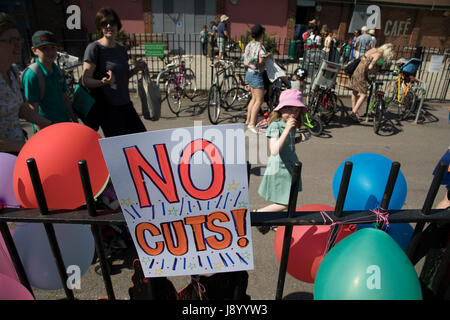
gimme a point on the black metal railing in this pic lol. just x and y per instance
(288, 53)
(288, 219)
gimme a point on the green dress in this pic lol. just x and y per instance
(276, 183)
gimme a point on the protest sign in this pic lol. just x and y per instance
(184, 195)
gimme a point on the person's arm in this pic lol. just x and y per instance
(11, 145)
(140, 66)
(375, 56)
(263, 55)
(275, 144)
(88, 80)
(68, 103)
(29, 112)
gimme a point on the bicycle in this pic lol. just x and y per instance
(378, 107)
(180, 83)
(68, 64)
(238, 98)
(400, 91)
(219, 91)
(321, 99)
(323, 102)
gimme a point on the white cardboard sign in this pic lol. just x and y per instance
(184, 195)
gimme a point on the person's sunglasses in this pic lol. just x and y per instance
(13, 40)
(111, 22)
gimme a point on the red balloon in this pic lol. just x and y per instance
(308, 244)
(57, 150)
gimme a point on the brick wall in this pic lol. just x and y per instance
(39, 12)
(400, 26)
(148, 19)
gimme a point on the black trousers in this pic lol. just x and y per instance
(120, 120)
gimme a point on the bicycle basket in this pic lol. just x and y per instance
(411, 66)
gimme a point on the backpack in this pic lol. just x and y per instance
(351, 66)
(40, 76)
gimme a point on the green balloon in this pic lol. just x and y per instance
(367, 265)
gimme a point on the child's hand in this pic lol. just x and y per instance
(291, 123)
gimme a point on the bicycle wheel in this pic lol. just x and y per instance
(313, 124)
(229, 82)
(400, 100)
(408, 105)
(314, 105)
(174, 94)
(329, 109)
(378, 116)
(237, 98)
(214, 104)
(190, 84)
(273, 98)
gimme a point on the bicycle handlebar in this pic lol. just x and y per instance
(190, 57)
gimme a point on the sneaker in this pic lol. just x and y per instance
(252, 129)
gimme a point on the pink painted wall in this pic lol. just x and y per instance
(130, 12)
(270, 14)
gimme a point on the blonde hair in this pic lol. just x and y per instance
(274, 116)
(387, 51)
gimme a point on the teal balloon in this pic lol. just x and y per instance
(367, 265)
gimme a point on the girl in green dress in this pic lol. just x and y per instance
(276, 183)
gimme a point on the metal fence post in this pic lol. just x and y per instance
(395, 168)
(15, 258)
(49, 229)
(288, 230)
(87, 189)
(432, 192)
(348, 167)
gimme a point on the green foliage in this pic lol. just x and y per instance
(269, 41)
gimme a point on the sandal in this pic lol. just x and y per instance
(354, 117)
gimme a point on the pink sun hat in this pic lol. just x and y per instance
(290, 97)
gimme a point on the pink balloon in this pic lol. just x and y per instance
(7, 196)
(13, 290)
(6, 266)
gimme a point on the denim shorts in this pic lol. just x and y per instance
(254, 79)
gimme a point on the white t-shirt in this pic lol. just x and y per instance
(316, 39)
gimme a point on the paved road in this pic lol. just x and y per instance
(417, 147)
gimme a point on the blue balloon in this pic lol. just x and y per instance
(400, 232)
(368, 180)
(76, 243)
